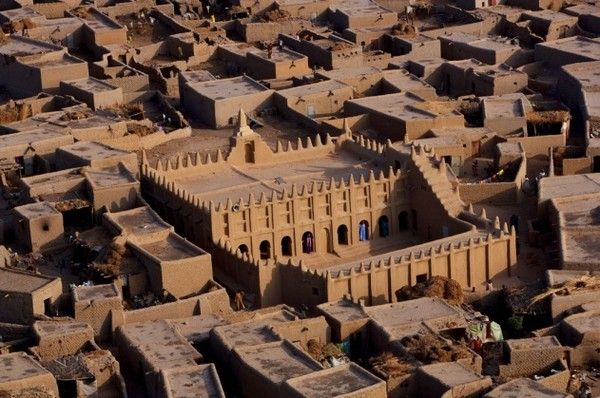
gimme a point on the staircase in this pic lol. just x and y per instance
(438, 181)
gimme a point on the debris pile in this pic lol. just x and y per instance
(71, 204)
(391, 364)
(326, 354)
(139, 129)
(403, 29)
(111, 260)
(276, 15)
(427, 348)
(436, 286)
(75, 115)
(72, 367)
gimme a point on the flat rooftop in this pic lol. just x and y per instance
(197, 328)
(350, 73)
(19, 366)
(532, 343)
(587, 73)
(582, 46)
(139, 221)
(89, 150)
(504, 106)
(36, 210)
(279, 55)
(580, 246)
(578, 212)
(343, 310)
(278, 361)
(22, 282)
(110, 177)
(229, 88)
(550, 16)
(60, 328)
(95, 292)
(584, 322)
(334, 382)
(451, 373)
(199, 381)
(151, 332)
(308, 90)
(563, 186)
(90, 84)
(172, 248)
(406, 106)
(406, 317)
(524, 387)
(252, 332)
(29, 137)
(19, 46)
(236, 183)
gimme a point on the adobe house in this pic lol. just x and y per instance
(451, 380)
(354, 207)
(347, 380)
(580, 82)
(95, 155)
(569, 202)
(281, 63)
(172, 263)
(112, 188)
(347, 320)
(57, 339)
(95, 93)
(148, 349)
(361, 13)
(23, 295)
(313, 101)
(325, 51)
(258, 377)
(365, 80)
(534, 122)
(30, 66)
(118, 74)
(549, 361)
(473, 77)
(94, 304)
(405, 114)
(39, 227)
(549, 24)
(216, 103)
(23, 375)
(392, 322)
(400, 80)
(492, 51)
(305, 9)
(418, 46)
(33, 150)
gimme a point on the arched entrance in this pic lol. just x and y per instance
(286, 246)
(265, 250)
(403, 221)
(308, 242)
(384, 226)
(342, 235)
(243, 248)
(363, 230)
